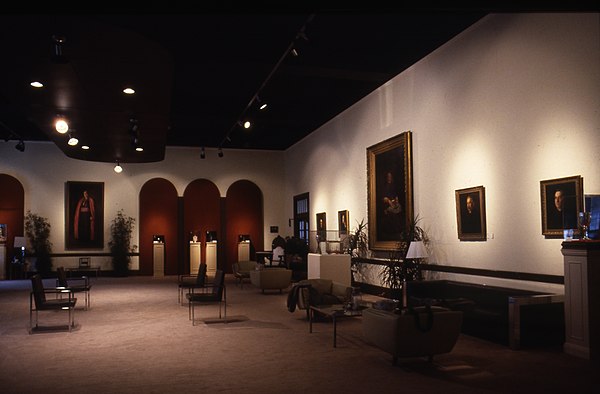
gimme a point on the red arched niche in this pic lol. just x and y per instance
(201, 213)
(158, 215)
(244, 215)
(12, 207)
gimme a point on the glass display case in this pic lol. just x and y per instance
(328, 242)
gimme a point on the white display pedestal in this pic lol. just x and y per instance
(2, 261)
(330, 266)
(582, 304)
(211, 257)
(244, 251)
(158, 254)
(195, 253)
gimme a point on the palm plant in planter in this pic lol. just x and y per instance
(399, 269)
(120, 243)
(37, 229)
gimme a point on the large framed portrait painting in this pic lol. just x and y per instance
(84, 215)
(390, 191)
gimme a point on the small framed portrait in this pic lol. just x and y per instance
(470, 214)
(343, 217)
(561, 200)
(322, 226)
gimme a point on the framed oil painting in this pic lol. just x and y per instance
(470, 214)
(390, 191)
(343, 217)
(561, 200)
(322, 226)
(84, 215)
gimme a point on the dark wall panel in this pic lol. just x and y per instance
(201, 213)
(244, 215)
(158, 215)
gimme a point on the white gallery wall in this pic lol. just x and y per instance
(511, 101)
(43, 170)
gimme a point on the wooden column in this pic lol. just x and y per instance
(582, 298)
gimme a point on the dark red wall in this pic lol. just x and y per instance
(202, 213)
(158, 215)
(243, 215)
(12, 206)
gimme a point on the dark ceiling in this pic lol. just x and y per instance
(198, 75)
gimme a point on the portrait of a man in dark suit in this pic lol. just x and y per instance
(470, 208)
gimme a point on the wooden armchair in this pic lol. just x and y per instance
(39, 302)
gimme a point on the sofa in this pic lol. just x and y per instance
(241, 270)
(271, 278)
(317, 291)
(503, 315)
(419, 332)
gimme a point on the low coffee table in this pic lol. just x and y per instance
(334, 312)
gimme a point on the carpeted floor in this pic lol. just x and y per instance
(136, 338)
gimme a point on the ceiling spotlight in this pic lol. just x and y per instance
(20, 146)
(247, 124)
(72, 140)
(262, 106)
(220, 153)
(294, 52)
(118, 169)
(61, 125)
(37, 84)
(139, 149)
(202, 153)
(85, 147)
(58, 56)
(129, 90)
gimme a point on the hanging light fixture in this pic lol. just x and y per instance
(220, 153)
(118, 169)
(20, 146)
(202, 153)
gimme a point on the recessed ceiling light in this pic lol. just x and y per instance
(37, 84)
(247, 124)
(61, 126)
(139, 149)
(85, 147)
(128, 91)
(263, 106)
(73, 141)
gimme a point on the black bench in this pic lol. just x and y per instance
(511, 317)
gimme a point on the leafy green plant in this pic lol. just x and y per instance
(357, 240)
(398, 268)
(120, 243)
(37, 229)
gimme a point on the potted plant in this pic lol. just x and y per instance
(120, 243)
(398, 269)
(37, 229)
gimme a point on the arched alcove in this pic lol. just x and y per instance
(243, 215)
(158, 215)
(12, 206)
(202, 213)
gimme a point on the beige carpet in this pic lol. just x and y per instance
(135, 338)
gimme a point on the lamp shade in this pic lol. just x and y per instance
(20, 242)
(416, 250)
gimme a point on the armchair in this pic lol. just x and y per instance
(39, 302)
(241, 270)
(317, 292)
(76, 285)
(210, 293)
(192, 281)
(422, 332)
(271, 279)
